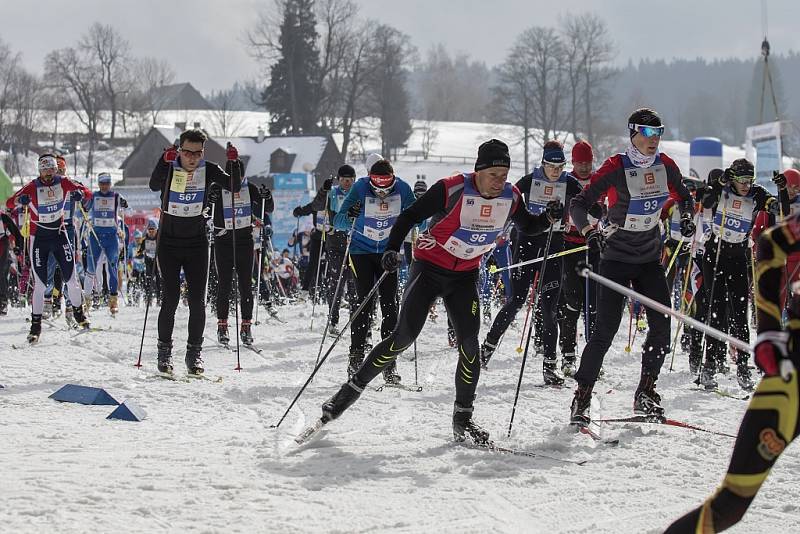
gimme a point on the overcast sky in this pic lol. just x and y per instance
(203, 39)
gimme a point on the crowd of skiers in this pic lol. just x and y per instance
(470, 239)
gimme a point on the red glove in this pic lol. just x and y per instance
(171, 154)
(232, 153)
(771, 353)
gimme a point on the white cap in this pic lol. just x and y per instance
(371, 160)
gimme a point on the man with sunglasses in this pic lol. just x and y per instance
(371, 208)
(467, 212)
(183, 179)
(547, 184)
(44, 198)
(734, 201)
(637, 183)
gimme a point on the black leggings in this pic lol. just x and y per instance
(571, 302)
(346, 287)
(5, 263)
(366, 271)
(223, 262)
(647, 279)
(194, 261)
(426, 283)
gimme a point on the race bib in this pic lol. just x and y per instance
(103, 212)
(241, 205)
(150, 248)
(187, 193)
(648, 191)
(734, 218)
(543, 192)
(380, 215)
(50, 203)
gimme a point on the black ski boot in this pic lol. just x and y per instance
(707, 379)
(568, 364)
(194, 361)
(356, 358)
(550, 371)
(390, 375)
(695, 361)
(581, 405)
(342, 400)
(487, 349)
(246, 334)
(464, 426)
(743, 375)
(3, 307)
(36, 328)
(222, 332)
(165, 357)
(646, 401)
(80, 319)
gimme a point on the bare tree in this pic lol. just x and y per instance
(339, 23)
(512, 96)
(79, 77)
(28, 103)
(596, 54)
(354, 87)
(9, 69)
(150, 74)
(112, 54)
(227, 122)
(429, 136)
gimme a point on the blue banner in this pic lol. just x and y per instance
(291, 180)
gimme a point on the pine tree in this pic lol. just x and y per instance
(294, 91)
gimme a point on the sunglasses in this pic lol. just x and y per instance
(743, 179)
(647, 131)
(192, 153)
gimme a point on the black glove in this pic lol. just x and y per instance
(391, 261)
(76, 196)
(24, 199)
(123, 202)
(779, 179)
(268, 231)
(355, 210)
(297, 212)
(266, 194)
(726, 177)
(327, 184)
(596, 241)
(687, 227)
(773, 206)
(555, 210)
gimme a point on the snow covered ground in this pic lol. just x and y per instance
(206, 459)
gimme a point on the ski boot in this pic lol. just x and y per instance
(686, 342)
(707, 379)
(722, 366)
(550, 371)
(451, 336)
(246, 333)
(56, 303)
(389, 374)
(222, 332)
(81, 322)
(3, 307)
(433, 314)
(113, 305)
(695, 361)
(87, 303)
(356, 358)
(743, 375)
(579, 412)
(646, 401)
(464, 426)
(333, 330)
(165, 357)
(342, 400)
(568, 367)
(193, 359)
(272, 310)
(69, 317)
(36, 328)
(487, 349)
(487, 315)
(48, 308)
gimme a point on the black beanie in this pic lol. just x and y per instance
(382, 167)
(346, 171)
(742, 167)
(492, 153)
(645, 117)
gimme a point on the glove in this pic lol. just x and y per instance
(297, 212)
(687, 227)
(171, 154)
(773, 206)
(327, 184)
(555, 210)
(391, 261)
(123, 202)
(779, 179)
(268, 231)
(232, 153)
(76, 196)
(771, 351)
(726, 177)
(596, 241)
(24, 199)
(355, 210)
(266, 194)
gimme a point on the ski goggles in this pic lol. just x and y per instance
(743, 179)
(47, 163)
(647, 131)
(554, 166)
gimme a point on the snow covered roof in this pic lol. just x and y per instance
(307, 150)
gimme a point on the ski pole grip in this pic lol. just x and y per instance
(583, 269)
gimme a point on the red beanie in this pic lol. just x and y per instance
(582, 152)
(792, 177)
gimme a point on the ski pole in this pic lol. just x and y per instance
(317, 367)
(138, 363)
(493, 269)
(683, 308)
(630, 325)
(208, 263)
(710, 301)
(584, 270)
(674, 256)
(336, 291)
(316, 275)
(530, 327)
(235, 265)
(528, 312)
(260, 261)
(416, 373)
